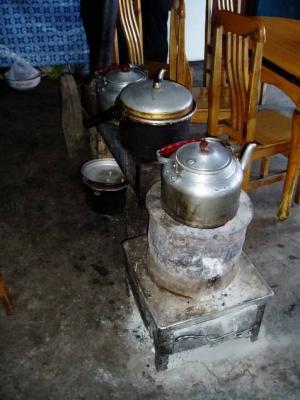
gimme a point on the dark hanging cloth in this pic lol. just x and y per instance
(155, 31)
(99, 19)
(123, 53)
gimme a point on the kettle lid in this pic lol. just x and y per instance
(206, 156)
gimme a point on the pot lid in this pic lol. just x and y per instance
(125, 75)
(208, 155)
(157, 99)
(103, 171)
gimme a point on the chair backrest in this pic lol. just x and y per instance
(230, 5)
(211, 7)
(131, 23)
(179, 68)
(237, 59)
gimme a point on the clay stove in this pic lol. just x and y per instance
(194, 286)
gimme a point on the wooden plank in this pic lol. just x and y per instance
(71, 119)
(257, 183)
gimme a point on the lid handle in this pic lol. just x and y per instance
(157, 81)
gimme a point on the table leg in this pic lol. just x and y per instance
(292, 170)
(297, 194)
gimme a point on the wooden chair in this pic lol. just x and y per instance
(131, 23)
(238, 49)
(211, 7)
(179, 67)
(130, 16)
(201, 93)
(4, 296)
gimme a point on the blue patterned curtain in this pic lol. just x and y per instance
(43, 32)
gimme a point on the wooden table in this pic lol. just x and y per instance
(281, 67)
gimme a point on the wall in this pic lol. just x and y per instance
(195, 29)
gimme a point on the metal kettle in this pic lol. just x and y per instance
(201, 181)
(111, 80)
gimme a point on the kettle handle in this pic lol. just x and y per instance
(165, 151)
(113, 67)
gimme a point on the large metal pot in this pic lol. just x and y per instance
(201, 181)
(152, 113)
(110, 82)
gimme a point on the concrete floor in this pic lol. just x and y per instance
(76, 332)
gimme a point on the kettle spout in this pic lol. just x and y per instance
(247, 155)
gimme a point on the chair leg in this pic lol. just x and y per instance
(264, 167)
(262, 94)
(4, 296)
(246, 179)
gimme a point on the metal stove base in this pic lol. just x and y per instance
(178, 323)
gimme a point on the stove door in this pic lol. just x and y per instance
(236, 324)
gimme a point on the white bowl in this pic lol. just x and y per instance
(24, 84)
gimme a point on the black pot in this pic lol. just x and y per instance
(151, 114)
(142, 140)
(105, 187)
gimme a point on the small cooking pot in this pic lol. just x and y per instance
(201, 181)
(111, 80)
(105, 186)
(152, 113)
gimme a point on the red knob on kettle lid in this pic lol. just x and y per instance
(172, 147)
(124, 68)
(203, 145)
